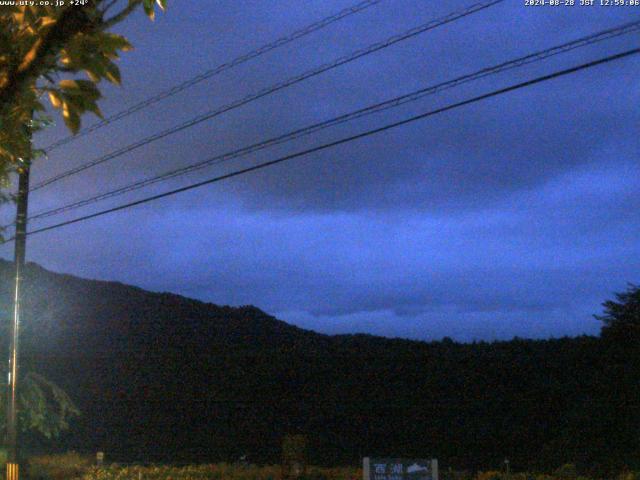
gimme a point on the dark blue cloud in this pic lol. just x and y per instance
(516, 216)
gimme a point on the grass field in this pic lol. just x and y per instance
(72, 466)
(213, 472)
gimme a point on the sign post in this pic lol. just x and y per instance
(399, 469)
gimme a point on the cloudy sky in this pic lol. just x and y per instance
(516, 216)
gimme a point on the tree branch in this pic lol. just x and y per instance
(108, 6)
(118, 17)
(71, 22)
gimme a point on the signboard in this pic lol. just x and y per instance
(399, 469)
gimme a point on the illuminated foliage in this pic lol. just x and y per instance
(42, 51)
(216, 471)
(43, 407)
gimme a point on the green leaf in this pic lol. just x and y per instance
(115, 42)
(84, 89)
(112, 73)
(55, 98)
(71, 117)
(148, 8)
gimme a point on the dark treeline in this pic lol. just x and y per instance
(160, 377)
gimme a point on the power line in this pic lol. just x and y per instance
(325, 146)
(387, 104)
(280, 42)
(274, 88)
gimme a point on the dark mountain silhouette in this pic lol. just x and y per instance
(160, 377)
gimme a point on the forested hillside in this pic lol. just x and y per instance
(166, 378)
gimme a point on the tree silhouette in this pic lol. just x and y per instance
(621, 319)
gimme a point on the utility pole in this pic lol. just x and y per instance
(13, 470)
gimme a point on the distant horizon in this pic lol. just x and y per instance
(303, 324)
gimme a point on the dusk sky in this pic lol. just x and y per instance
(515, 216)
